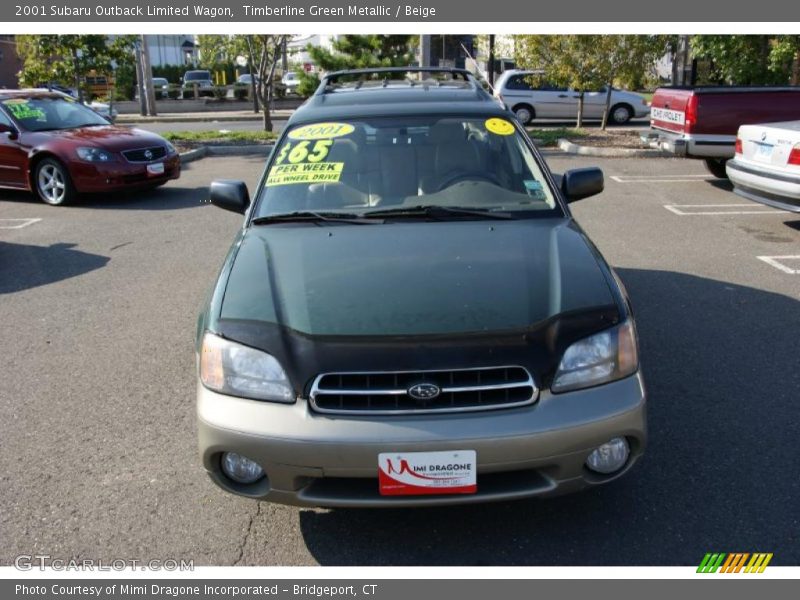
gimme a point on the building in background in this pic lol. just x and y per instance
(10, 64)
(179, 49)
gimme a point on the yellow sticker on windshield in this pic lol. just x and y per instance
(322, 172)
(321, 131)
(499, 126)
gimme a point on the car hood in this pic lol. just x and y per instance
(109, 137)
(414, 278)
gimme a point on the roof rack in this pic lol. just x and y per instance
(330, 80)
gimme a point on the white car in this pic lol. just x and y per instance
(290, 80)
(766, 166)
(530, 96)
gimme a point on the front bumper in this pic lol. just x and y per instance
(120, 175)
(778, 190)
(320, 460)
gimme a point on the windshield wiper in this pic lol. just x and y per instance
(438, 212)
(313, 216)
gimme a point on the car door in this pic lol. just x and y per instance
(556, 101)
(13, 157)
(594, 104)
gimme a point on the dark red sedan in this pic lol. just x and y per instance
(58, 148)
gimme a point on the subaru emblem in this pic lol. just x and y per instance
(424, 391)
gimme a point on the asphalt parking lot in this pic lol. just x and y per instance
(97, 439)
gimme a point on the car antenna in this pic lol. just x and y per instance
(481, 73)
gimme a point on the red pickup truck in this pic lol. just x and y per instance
(701, 122)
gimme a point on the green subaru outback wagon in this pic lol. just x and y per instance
(410, 315)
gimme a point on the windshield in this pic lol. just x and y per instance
(360, 166)
(197, 76)
(48, 113)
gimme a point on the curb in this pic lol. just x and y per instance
(203, 151)
(570, 148)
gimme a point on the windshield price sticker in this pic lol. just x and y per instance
(22, 110)
(499, 126)
(328, 172)
(304, 152)
(321, 131)
(415, 473)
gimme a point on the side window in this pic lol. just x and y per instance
(519, 82)
(4, 120)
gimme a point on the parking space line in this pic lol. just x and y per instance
(17, 223)
(661, 178)
(774, 261)
(755, 209)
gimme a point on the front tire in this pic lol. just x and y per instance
(524, 113)
(621, 114)
(716, 166)
(52, 182)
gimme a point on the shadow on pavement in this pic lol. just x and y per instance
(720, 473)
(23, 266)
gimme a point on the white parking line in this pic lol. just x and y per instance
(17, 223)
(660, 178)
(774, 261)
(754, 209)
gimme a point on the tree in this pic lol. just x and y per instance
(627, 58)
(263, 52)
(749, 59)
(567, 60)
(356, 52)
(66, 59)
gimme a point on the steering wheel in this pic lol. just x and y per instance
(468, 177)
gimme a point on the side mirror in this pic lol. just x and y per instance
(582, 183)
(230, 194)
(9, 130)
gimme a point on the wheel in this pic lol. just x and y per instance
(716, 166)
(524, 113)
(52, 182)
(620, 114)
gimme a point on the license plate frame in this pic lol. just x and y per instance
(427, 473)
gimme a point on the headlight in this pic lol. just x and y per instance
(94, 155)
(601, 358)
(230, 368)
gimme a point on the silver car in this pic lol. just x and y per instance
(530, 96)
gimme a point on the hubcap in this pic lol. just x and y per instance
(621, 115)
(523, 115)
(51, 184)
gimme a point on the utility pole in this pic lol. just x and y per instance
(425, 51)
(147, 78)
(491, 60)
(140, 79)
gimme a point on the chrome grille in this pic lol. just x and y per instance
(141, 154)
(460, 390)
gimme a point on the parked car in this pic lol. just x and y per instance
(290, 82)
(59, 148)
(530, 96)
(201, 80)
(245, 79)
(766, 164)
(410, 315)
(701, 122)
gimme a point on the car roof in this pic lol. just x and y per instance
(29, 93)
(370, 95)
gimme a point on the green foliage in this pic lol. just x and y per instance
(748, 59)
(66, 59)
(356, 52)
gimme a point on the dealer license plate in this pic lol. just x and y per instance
(415, 473)
(155, 168)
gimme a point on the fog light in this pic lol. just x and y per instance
(609, 457)
(240, 468)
